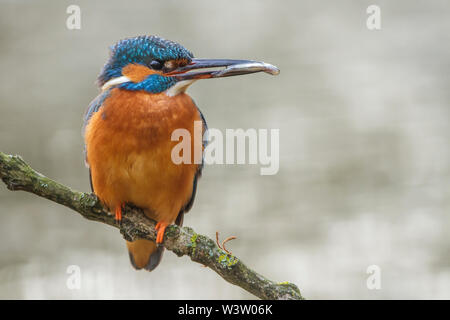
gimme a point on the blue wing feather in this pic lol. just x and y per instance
(94, 106)
(188, 205)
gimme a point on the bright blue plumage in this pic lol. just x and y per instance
(143, 50)
(154, 84)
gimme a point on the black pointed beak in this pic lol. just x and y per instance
(219, 68)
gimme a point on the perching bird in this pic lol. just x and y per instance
(128, 130)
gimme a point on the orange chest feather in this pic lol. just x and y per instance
(142, 120)
(128, 144)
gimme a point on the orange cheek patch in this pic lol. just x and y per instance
(137, 72)
(182, 62)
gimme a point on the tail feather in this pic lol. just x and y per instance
(145, 254)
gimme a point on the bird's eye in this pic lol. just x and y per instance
(156, 65)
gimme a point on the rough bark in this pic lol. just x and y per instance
(18, 175)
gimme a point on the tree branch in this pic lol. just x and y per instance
(17, 175)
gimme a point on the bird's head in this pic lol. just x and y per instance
(157, 65)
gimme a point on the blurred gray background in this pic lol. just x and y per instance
(364, 146)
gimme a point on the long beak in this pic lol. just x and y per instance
(221, 68)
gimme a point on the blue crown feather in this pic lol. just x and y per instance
(140, 50)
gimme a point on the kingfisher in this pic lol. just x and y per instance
(128, 129)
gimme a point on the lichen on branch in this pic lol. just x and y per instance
(18, 175)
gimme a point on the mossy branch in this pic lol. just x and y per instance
(18, 175)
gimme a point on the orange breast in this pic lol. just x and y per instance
(128, 144)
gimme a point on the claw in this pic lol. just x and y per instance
(161, 228)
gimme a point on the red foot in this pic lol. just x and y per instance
(161, 228)
(119, 213)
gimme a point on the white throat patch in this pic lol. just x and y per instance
(179, 87)
(115, 81)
